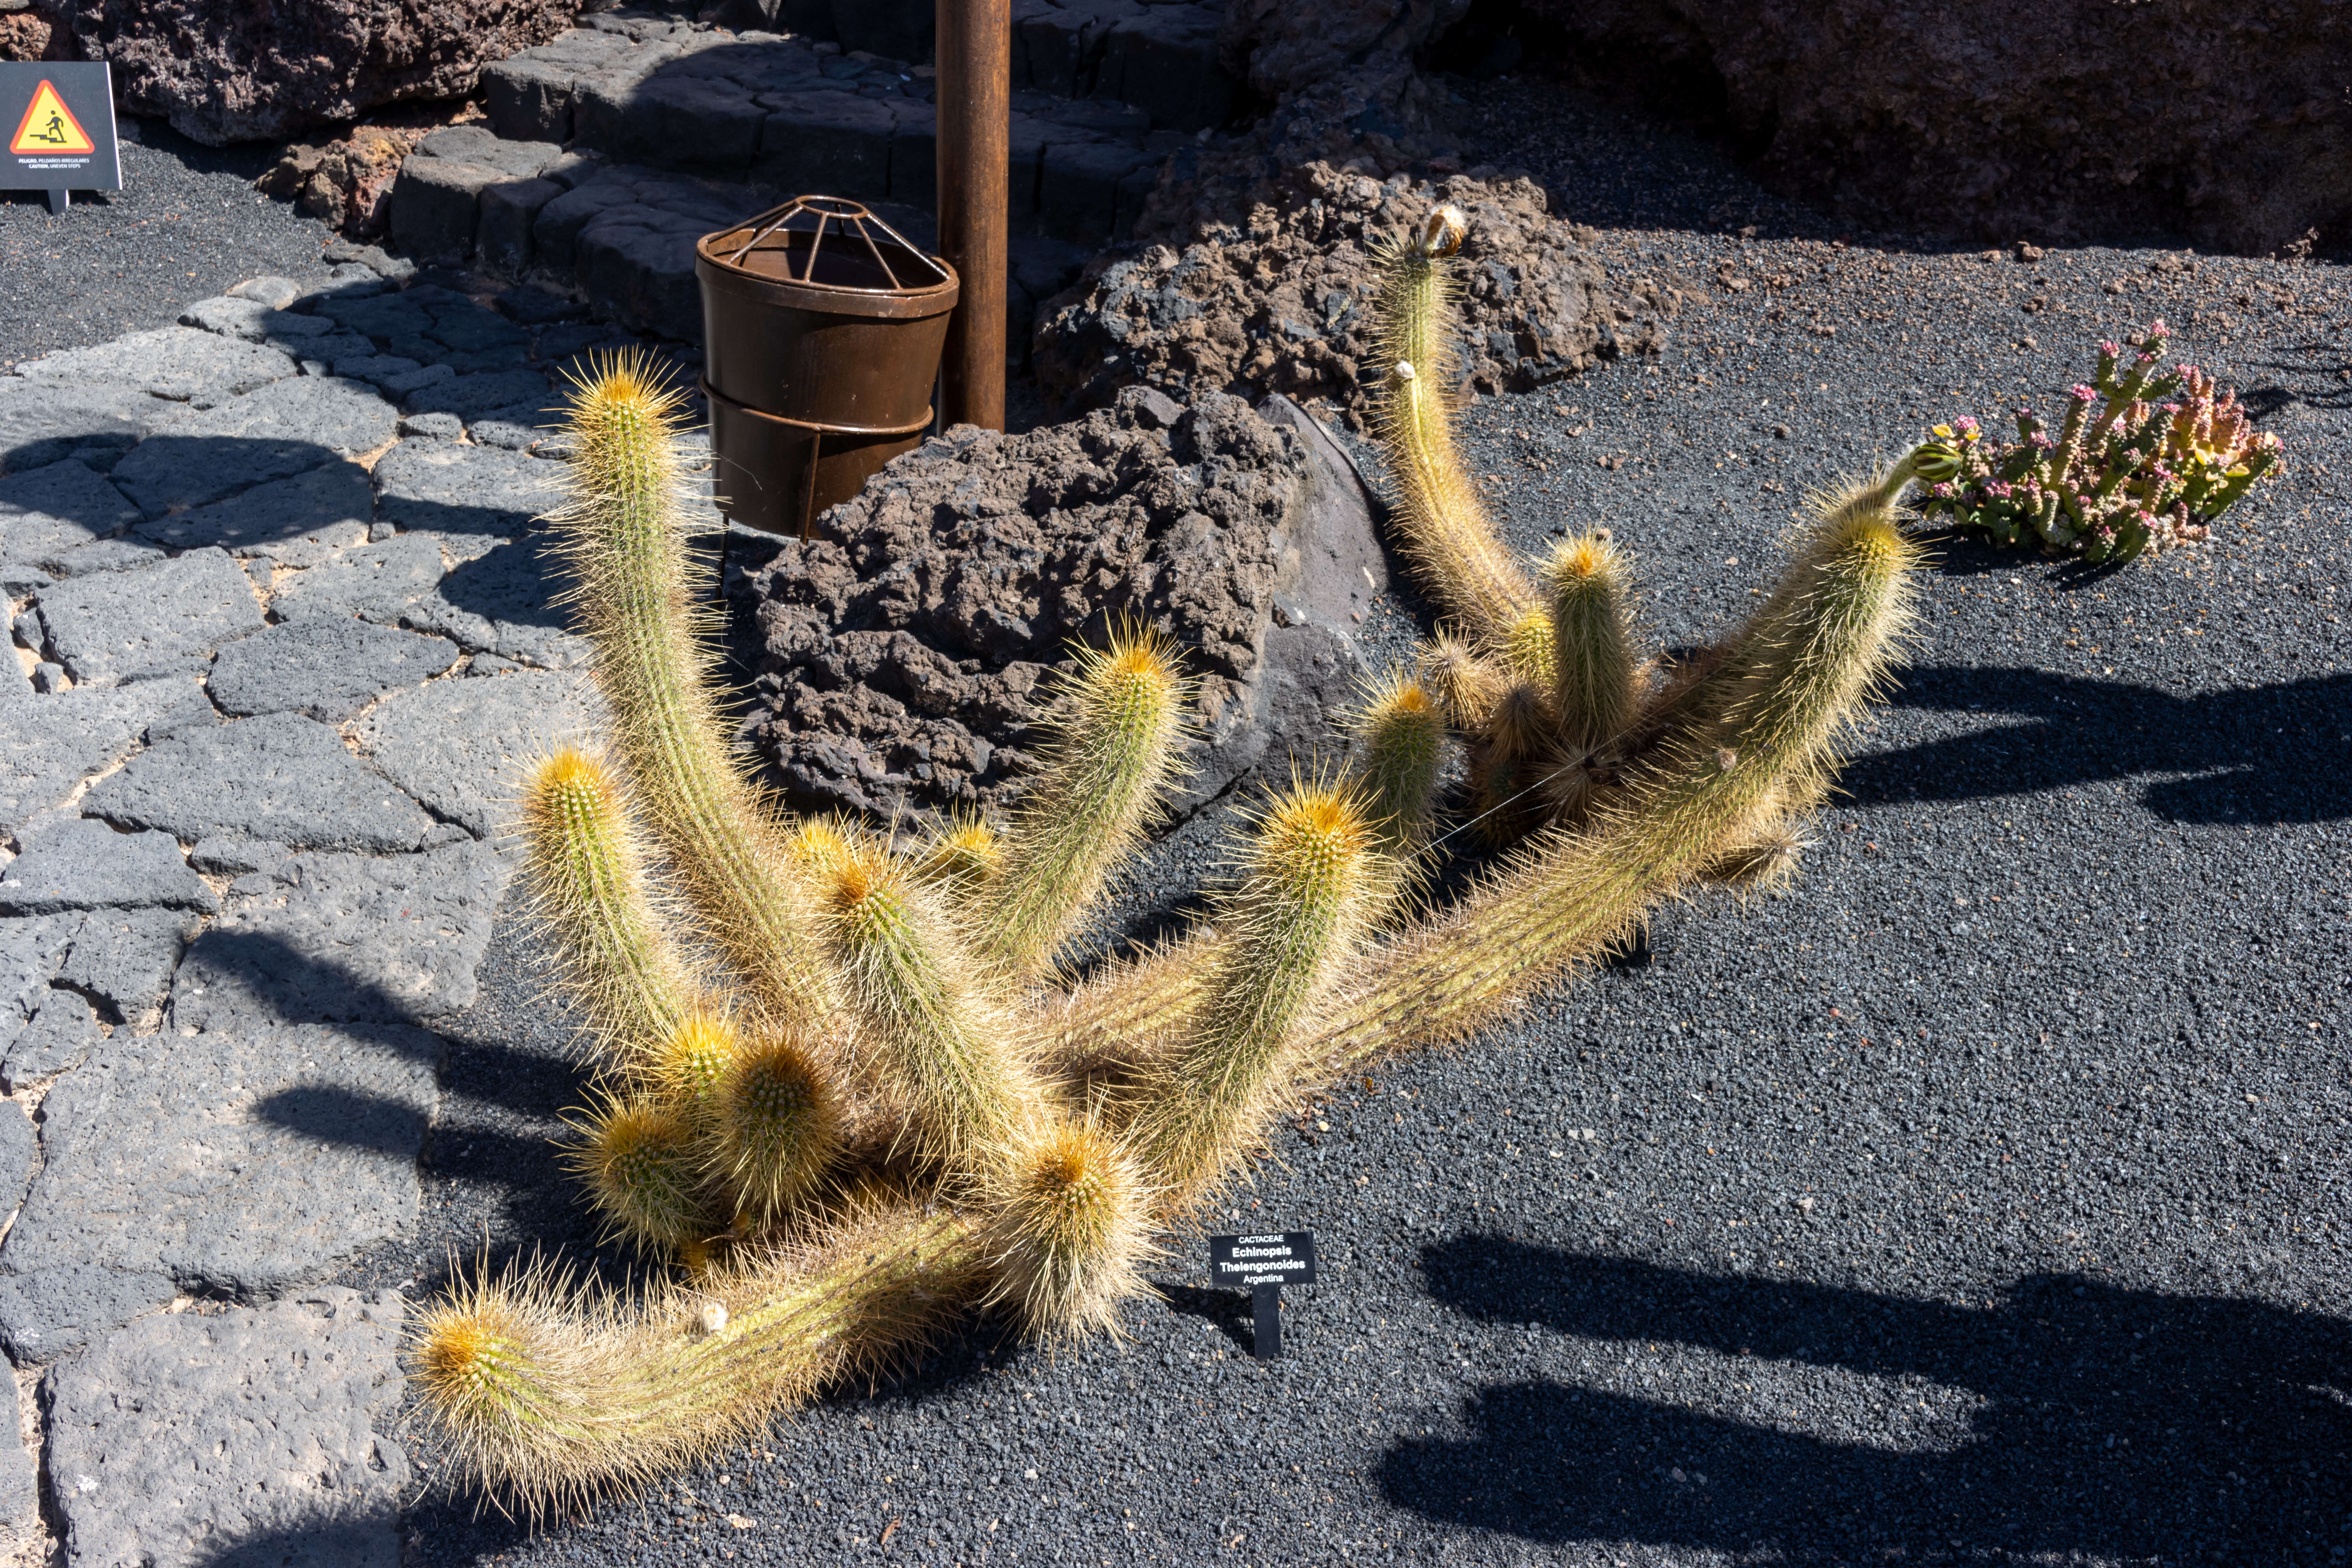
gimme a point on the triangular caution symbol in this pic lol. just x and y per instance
(49, 126)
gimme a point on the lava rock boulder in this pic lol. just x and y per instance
(910, 651)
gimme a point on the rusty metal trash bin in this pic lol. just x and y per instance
(822, 328)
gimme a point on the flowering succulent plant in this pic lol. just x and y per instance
(2143, 459)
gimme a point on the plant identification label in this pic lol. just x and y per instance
(1245, 1262)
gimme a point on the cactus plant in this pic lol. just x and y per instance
(885, 1099)
(2127, 470)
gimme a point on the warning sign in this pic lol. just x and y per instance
(49, 126)
(60, 118)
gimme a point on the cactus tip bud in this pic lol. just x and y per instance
(1442, 232)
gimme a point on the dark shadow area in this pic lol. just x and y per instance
(1227, 1310)
(2115, 1423)
(356, 1120)
(345, 1545)
(2273, 754)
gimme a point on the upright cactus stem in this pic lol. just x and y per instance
(933, 1034)
(1445, 527)
(1400, 750)
(1309, 886)
(1595, 671)
(640, 597)
(586, 874)
(1086, 809)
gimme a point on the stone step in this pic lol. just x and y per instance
(621, 236)
(1160, 56)
(795, 115)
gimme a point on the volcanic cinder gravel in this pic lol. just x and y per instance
(1976, 1200)
(186, 225)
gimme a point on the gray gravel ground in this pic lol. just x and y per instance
(186, 225)
(1977, 1200)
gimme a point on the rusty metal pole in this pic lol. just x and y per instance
(975, 135)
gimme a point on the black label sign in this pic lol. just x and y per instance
(58, 118)
(1248, 1261)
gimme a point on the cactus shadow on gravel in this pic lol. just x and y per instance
(2264, 755)
(2114, 1423)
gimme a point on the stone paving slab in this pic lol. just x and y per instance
(45, 422)
(48, 744)
(326, 669)
(462, 493)
(48, 511)
(108, 627)
(123, 960)
(249, 1437)
(53, 1314)
(30, 951)
(463, 747)
(347, 936)
(296, 521)
(500, 604)
(239, 1162)
(74, 863)
(278, 777)
(185, 364)
(379, 581)
(283, 429)
(60, 1038)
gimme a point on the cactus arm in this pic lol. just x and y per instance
(1767, 721)
(1310, 884)
(638, 592)
(1086, 810)
(931, 1033)
(1400, 735)
(548, 1396)
(1445, 530)
(587, 877)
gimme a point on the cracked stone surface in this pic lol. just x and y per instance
(278, 777)
(250, 1436)
(239, 1162)
(463, 494)
(53, 1314)
(285, 428)
(326, 668)
(378, 582)
(347, 936)
(30, 951)
(79, 864)
(123, 959)
(159, 619)
(296, 521)
(462, 746)
(60, 1038)
(49, 743)
(175, 362)
(49, 510)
